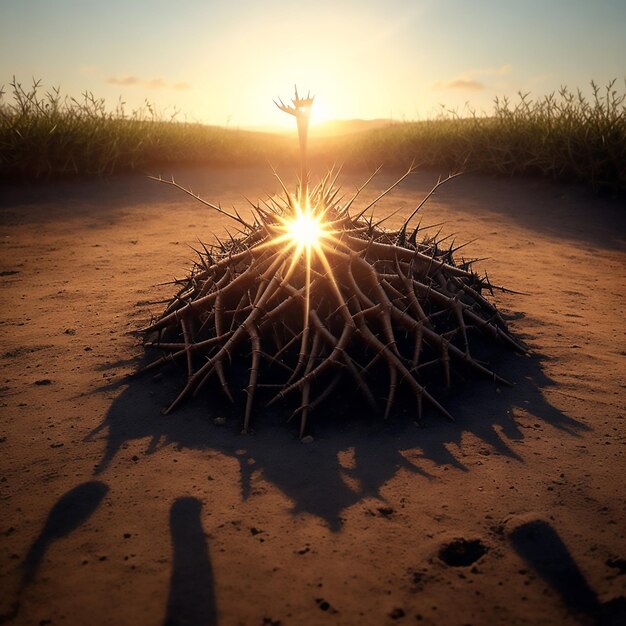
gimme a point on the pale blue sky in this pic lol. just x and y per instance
(223, 62)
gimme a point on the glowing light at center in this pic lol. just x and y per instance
(305, 230)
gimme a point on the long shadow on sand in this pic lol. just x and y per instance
(68, 513)
(71, 510)
(313, 476)
(540, 545)
(191, 597)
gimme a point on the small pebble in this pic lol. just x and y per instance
(307, 439)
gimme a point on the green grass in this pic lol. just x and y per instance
(563, 136)
(45, 134)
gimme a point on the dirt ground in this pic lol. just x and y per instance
(111, 513)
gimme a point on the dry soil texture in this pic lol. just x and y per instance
(114, 514)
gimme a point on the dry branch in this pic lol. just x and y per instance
(371, 304)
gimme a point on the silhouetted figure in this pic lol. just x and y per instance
(191, 599)
(542, 548)
(70, 511)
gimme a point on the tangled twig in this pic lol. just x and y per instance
(361, 302)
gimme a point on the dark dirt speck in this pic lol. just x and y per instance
(618, 564)
(462, 552)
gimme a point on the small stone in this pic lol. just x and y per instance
(219, 421)
(43, 381)
(307, 439)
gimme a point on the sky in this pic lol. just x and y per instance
(223, 62)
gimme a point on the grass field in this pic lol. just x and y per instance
(46, 134)
(563, 136)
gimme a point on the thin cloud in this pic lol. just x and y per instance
(468, 80)
(124, 80)
(461, 84)
(155, 83)
(464, 85)
(130, 80)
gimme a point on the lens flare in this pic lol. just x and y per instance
(305, 230)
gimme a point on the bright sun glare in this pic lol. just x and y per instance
(305, 230)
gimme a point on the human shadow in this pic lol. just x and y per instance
(540, 545)
(354, 453)
(191, 600)
(70, 511)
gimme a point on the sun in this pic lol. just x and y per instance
(305, 229)
(320, 114)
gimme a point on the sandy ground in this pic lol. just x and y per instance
(113, 514)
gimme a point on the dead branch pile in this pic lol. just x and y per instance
(365, 305)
